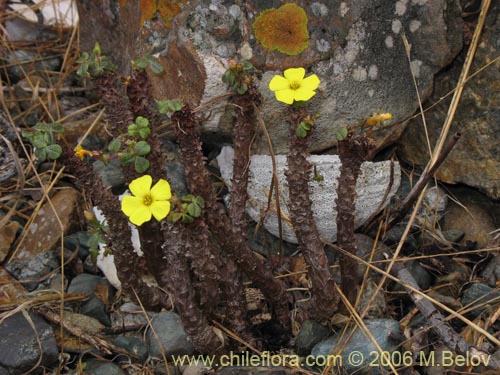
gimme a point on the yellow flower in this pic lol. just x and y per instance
(294, 86)
(375, 119)
(80, 152)
(147, 201)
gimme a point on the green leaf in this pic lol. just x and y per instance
(341, 134)
(141, 164)
(142, 121)
(242, 89)
(166, 106)
(300, 132)
(41, 153)
(199, 201)
(194, 210)
(127, 158)
(83, 57)
(187, 218)
(176, 216)
(27, 135)
(53, 151)
(115, 145)
(229, 77)
(97, 49)
(142, 148)
(83, 69)
(155, 65)
(38, 140)
(57, 127)
(247, 65)
(133, 130)
(144, 133)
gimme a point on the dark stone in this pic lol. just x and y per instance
(309, 335)
(167, 325)
(96, 367)
(132, 344)
(94, 306)
(478, 294)
(19, 348)
(382, 330)
(475, 159)
(34, 268)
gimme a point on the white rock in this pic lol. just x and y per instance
(371, 188)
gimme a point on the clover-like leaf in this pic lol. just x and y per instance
(142, 121)
(53, 151)
(142, 148)
(341, 134)
(141, 164)
(115, 145)
(41, 153)
(127, 158)
(194, 209)
(166, 106)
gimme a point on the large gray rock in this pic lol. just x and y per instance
(360, 59)
(371, 189)
(355, 47)
(475, 159)
(19, 344)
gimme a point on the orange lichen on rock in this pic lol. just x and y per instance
(283, 29)
(167, 9)
(148, 10)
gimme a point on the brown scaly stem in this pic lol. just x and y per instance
(186, 132)
(218, 276)
(177, 277)
(138, 92)
(113, 95)
(206, 263)
(298, 174)
(352, 153)
(128, 265)
(243, 134)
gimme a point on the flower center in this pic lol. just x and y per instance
(294, 85)
(147, 200)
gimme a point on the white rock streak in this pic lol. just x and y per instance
(371, 188)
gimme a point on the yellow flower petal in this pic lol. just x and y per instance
(294, 74)
(285, 96)
(161, 191)
(142, 215)
(131, 204)
(141, 186)
(303, 94)
(279, 83)
(160, 209)
(311, 82)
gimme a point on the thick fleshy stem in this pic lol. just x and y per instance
(186, 132)
(243, 134)
(324, 296)
(113, 94)
(352, 153)
(177, 277)
(129, 265)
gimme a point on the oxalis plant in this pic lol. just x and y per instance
(193, 246)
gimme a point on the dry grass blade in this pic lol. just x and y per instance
(274, 181)
(461, 82)
(95, 341)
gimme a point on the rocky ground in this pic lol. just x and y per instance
(451, 250)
